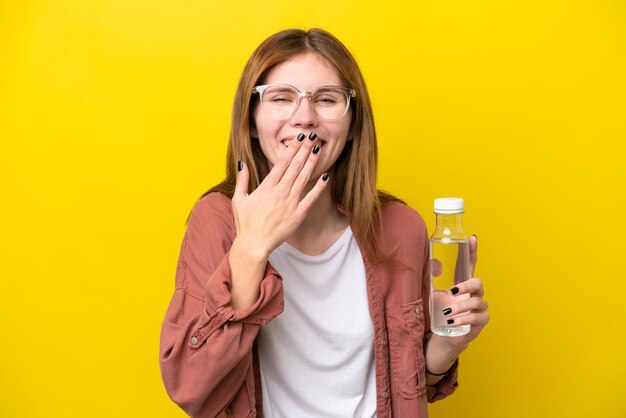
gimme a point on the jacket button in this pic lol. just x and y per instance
(385, 395)
(417, 311)
(383, 343)
(194, 340)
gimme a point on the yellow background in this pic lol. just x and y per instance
(114, 117)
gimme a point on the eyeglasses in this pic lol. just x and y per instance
(282, 100)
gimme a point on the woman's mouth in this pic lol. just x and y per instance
(286, 142)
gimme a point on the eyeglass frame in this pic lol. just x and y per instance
(309, 94)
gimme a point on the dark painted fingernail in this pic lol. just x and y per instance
(450, 321)
(454, 290)
(300, 137)
(325, 176)
(312, 136)
(239, 165)
(447, 311)
(316, 149)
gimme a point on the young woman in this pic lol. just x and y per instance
(302, 290)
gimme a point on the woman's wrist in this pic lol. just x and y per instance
(247, 265)
(249, 249)
(439, 355)
(444, 372)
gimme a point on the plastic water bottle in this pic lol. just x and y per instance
(449, 265)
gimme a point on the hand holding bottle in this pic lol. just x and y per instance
(466, 307)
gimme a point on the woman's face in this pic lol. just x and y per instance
(306, 72)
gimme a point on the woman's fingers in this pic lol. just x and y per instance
(241, 189)
(473, 286)
(304, 177)
(468, 308)
(295, 165)
(284, 160)
(473, 304)
(473, 254)
(241, 182)
(479, 319)
(312, 195)
(471, 309)
(307, 157)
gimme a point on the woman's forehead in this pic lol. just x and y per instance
(304, 71)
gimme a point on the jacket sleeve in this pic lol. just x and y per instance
(206, 345)
(448, 384)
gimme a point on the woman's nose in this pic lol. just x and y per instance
(304, 115)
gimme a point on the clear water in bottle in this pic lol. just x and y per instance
(450, 266)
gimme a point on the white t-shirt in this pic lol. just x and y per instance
(317, 357)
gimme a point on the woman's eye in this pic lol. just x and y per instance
(281, 99)
(326, 100)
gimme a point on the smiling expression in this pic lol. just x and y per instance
(306, 72)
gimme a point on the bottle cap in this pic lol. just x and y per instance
(449, 205)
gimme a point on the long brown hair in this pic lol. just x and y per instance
(353, 185)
